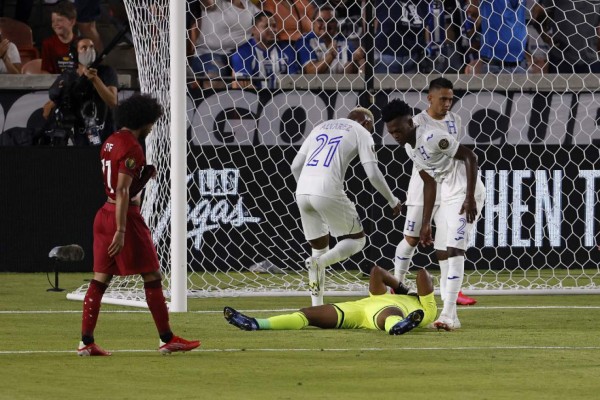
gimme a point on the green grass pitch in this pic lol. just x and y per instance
(510, 347)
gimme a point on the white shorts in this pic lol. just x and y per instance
(414, 219)
(323, 215)
(459, 232)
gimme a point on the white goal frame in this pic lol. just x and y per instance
(177, 282)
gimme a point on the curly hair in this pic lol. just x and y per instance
(395, 109)
(137, 111)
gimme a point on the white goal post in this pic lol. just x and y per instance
(222, 209)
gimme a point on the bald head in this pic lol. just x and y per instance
(364, 117)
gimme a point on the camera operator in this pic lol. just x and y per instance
(82, 101)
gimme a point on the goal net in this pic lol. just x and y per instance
(534, 129)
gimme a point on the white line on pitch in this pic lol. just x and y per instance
(370, 349)
(473, 308)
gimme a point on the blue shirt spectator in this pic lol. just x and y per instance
(325, 49)
(311, 48)
(503, 30)
(503, 36)
(262, 58)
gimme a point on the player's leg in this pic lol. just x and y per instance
(169, 343)
(394, 322)
(317, 234)
(104, 228)
(459, 233)
(407, 246)
(440, 246)
(91, 310)
(344, 224)
(324, 316)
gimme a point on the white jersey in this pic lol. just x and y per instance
(434, 153)
(329, 149)
(453, 125)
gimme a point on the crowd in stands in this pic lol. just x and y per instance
(449, 36)
(329, 37)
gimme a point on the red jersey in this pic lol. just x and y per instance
(121, 153)
(56, 57)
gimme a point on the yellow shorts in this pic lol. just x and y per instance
(362, 314)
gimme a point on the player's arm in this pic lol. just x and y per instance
(297, 165)
(380, 280)
(108, 94)
(429, 193)
(469, 206)
(300, 159)
(379, 183)
(122, 200)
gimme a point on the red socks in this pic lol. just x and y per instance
(158, 306)
(91, 308)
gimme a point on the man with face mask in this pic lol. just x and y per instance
(82, 100)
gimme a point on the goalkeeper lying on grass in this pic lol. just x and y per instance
(395, 313)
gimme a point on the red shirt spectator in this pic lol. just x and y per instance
(56, 55)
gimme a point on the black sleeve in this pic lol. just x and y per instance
(108, 75)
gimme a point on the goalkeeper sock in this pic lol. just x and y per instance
(443, 278)
(91, 309)
(342, 250)
(404, 253)
(158, 307)
(391, 321)
(294, 321)
(456, 272)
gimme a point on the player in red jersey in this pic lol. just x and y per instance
(122, 241)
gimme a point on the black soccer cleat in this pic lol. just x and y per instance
(411, 321)
(238, 319)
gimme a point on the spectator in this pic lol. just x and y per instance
(225, 25)
(400, 35)
(575, 47)
(57, 50)
(83, 99)
(445, 52)
(325, 49)
(88, 12)
(262, 57)
(503, 37)
(10, 60)
(292, 18)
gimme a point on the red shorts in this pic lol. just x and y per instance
(138, 256)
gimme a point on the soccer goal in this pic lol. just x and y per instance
(222, 210)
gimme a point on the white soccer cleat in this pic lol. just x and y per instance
(316, 281)
(457, 324)
(444, 322)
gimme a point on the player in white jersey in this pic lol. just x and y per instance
(440, 158)
(438, 115)
(319, 168)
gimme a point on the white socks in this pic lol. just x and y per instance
(324, 257)
(456, 273)
(316, 277)
(342, 250)
(404, 253)
(443, 277)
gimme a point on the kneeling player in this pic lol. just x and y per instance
(394, 313)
